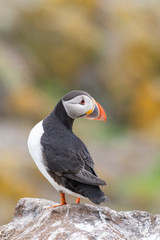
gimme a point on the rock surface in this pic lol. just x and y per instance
(34, 221)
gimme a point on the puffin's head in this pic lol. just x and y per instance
(81, 104)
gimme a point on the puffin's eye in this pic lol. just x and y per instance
(82, 102)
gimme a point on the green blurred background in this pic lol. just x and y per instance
(110, 49)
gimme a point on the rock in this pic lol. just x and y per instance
(34, 221)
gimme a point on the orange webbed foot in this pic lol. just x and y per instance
(78, 200)
(63, 201)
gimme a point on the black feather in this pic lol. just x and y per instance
(67, 158)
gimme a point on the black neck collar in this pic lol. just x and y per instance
(60, 112)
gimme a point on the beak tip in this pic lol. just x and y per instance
(97, 114)
(103, 119)
(102, 116)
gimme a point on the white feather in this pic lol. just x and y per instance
(35, 149)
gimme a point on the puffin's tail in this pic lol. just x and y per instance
(94, 194)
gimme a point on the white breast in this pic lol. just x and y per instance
(35, 149)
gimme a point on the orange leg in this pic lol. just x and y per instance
(78, 200)
(63, 201)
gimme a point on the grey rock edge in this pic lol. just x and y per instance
(34, 221)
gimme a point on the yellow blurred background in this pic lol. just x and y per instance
(110, 49)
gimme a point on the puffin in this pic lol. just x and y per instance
(61, 156)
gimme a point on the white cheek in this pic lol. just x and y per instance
(79, 110)
(75, 110)
(69, 109)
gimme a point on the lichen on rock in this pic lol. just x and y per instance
(33, 221)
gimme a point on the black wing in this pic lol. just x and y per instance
(68, 156)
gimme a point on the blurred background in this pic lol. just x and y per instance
(110, 49)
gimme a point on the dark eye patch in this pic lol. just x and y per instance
(82, 102)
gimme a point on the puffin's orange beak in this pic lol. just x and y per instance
(97, 113)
